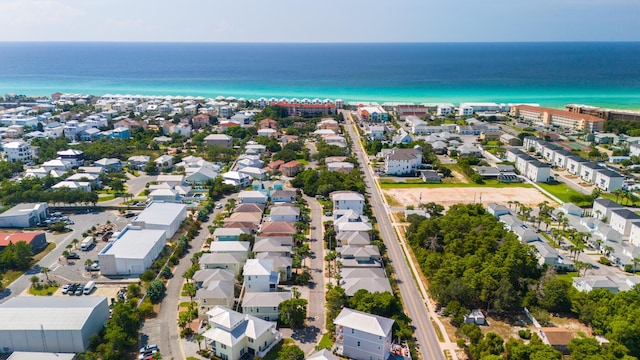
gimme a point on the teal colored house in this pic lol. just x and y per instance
(227, 234)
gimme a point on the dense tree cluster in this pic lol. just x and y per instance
(471, 259)
(323, 182)
(325, 150)
(16, 256)
(383, 304)
(37, 190)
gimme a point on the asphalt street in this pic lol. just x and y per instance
(427, 341)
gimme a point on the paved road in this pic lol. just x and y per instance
(308, 337)
(429, 347)
(163, 329)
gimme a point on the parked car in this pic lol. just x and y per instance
(73, 256)
(65, 289)
(79, 290)
(129, 215)
(150, 347)
(219, 206)
(147, 354)
(93, 267)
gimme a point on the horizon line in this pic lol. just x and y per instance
(328, 42)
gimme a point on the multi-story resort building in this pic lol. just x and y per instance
(555, 117)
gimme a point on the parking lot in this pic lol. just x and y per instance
(73, 270)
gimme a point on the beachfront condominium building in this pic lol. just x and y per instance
(560, 118)
(606, 114)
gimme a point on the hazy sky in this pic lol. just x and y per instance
(320, 21)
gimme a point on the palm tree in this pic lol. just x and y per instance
(34, 281)
(75, 243)
(608, 250)
(45, 271)
(65, 254)
(88, 263)
(199, 339)
(618, 193)
(636, 261)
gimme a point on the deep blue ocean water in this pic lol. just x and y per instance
(552, 74)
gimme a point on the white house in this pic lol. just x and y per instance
(164, 162)
(402, 161)
(588, 283)
(363, 336)
(259, 276)
(162, 216)
(252, 197)
(538, 171)
(602, 208)
(18, 151)
(608, 180)
(236, 179)
(214, 287)
(588, 171)
(574, 164)
(264, 305)
(634, 235)
(288, 213)
(233, 335)
(348, 200)
(622, 219)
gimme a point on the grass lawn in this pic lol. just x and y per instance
(560, 190)
(326, 342)
(568, 277)
(37, 257)
(9, 277)
(488, 184)
(102, 197)
(273, 354)
(48, 291)
(185, 304)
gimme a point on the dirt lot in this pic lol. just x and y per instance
(449, 196)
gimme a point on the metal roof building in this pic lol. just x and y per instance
(162, 216)
(51, 324)
(133, 251)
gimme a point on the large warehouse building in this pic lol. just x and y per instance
(162, 216)
(51, 324)
(24, 215)
(132, 252)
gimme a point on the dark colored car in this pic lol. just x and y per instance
(73, 256)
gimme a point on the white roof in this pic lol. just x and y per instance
(217, 137)
(251, 194)
(50, 313)
(367, 323)
(134, 243)
(170, 178)
(229, 246)
(240, 326)
(265, 299)
(323, 354)
(27, 355)
(347, 196)
(258, 267)
(160, 213)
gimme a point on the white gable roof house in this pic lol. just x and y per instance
(259, 276)
(363, 336)
(232, 335)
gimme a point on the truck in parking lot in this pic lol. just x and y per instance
(87, 243)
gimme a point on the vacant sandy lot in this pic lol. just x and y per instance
(449, 196)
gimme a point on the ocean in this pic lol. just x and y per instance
(551, 74)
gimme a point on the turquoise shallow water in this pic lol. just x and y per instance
(551, 74)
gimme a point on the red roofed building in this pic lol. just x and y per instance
(37, 240)
(274, 166)
(291, 169)
(297, 109)
(228, 124)
(200, 121)
(277, 228)
(555, 117)
(268, 124)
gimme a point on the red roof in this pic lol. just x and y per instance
(307, 106)
(557, 112)
(292, 163)
(6, 238)
(276, 164)
(277, 227)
